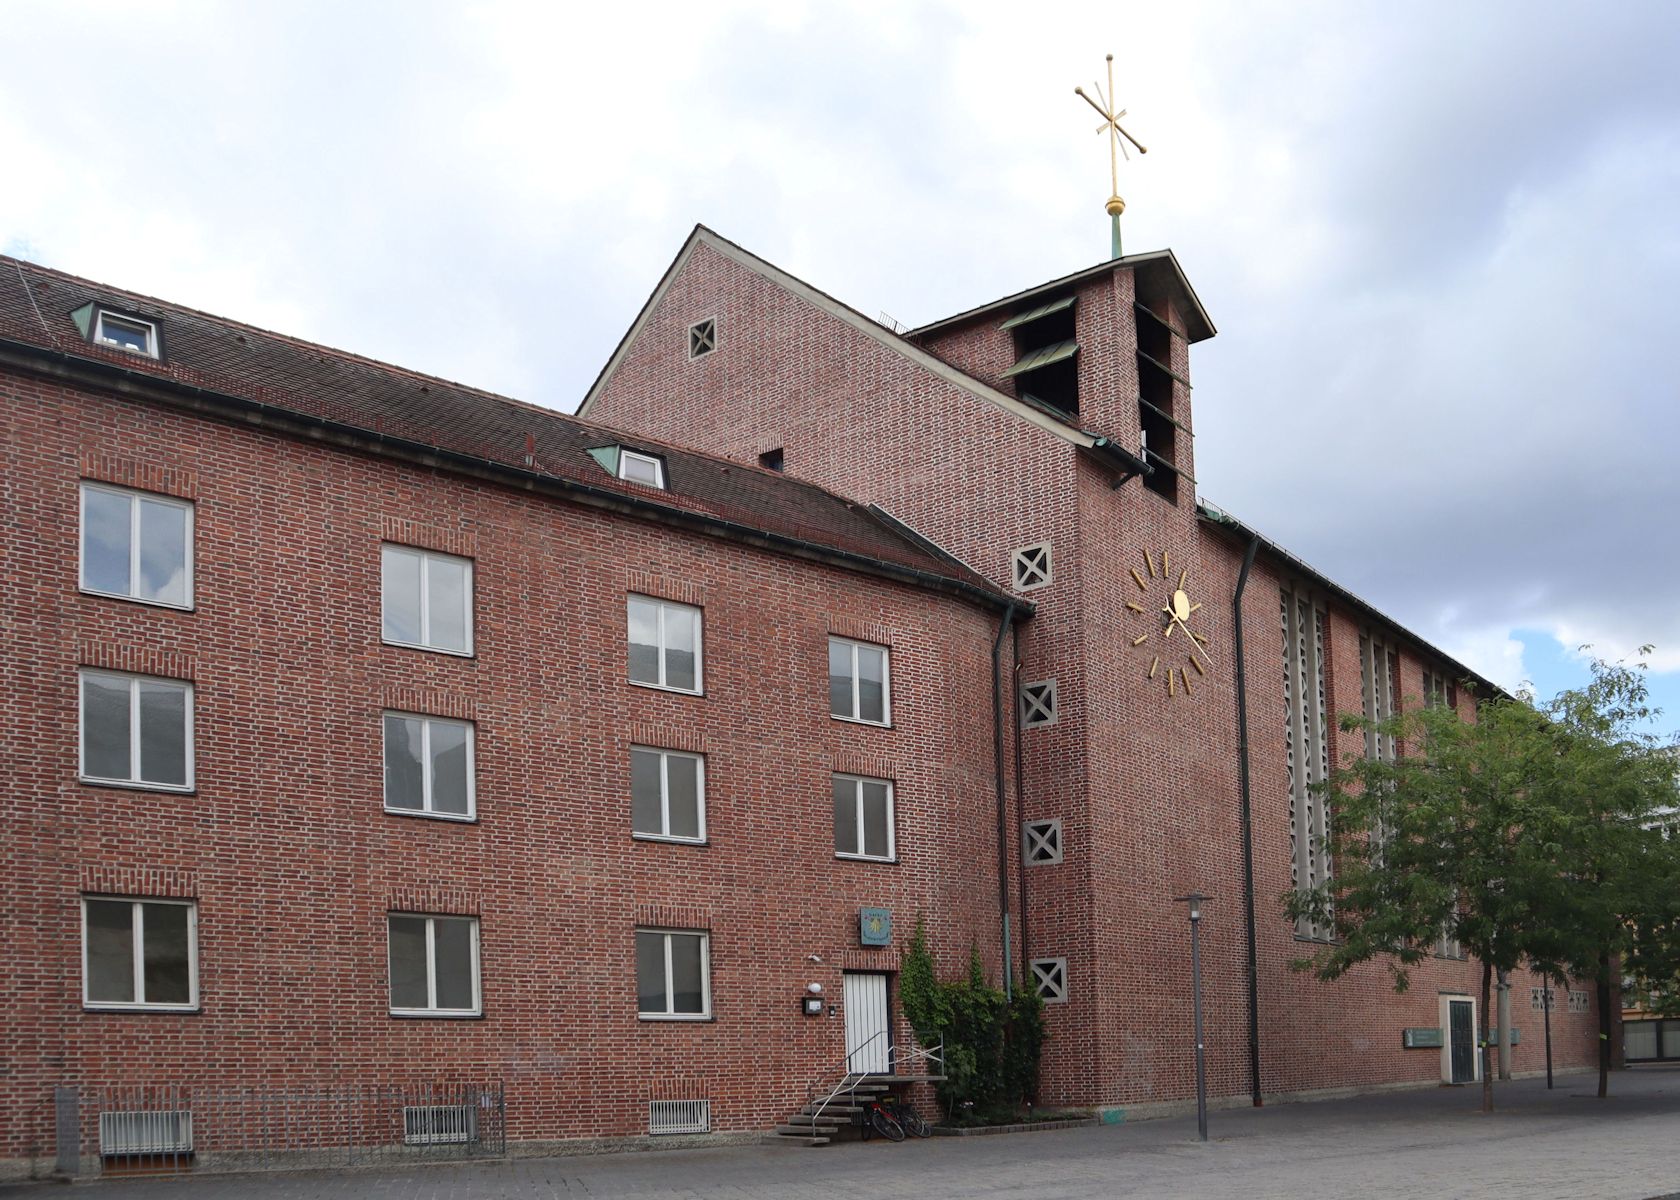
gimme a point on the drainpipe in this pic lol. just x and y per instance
(1247, 827)
(1002, 814)
(1020, 796)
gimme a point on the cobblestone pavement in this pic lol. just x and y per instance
(1434, 1142)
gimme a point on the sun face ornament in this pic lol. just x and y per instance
(1170, 661)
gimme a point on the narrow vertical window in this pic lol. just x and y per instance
(136, 546)
(434, 965)
(427, 600)
(136, 730)
(664, 644)
(1306, 743)
(863, 818)
(673, 975)
(139, 954)
(429, 766)
(857, 681)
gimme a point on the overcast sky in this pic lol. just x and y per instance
(1440, 241)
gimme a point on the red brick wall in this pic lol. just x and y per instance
(294, 864)
(1146, 784)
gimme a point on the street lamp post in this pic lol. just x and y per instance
(1195, 900)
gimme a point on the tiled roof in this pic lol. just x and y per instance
(228, 358)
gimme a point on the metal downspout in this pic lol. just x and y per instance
(1020, 798)
(1002, 815)
(1247, 827)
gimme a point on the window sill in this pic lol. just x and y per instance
(669, 841)
(187, 607)
(660, 687)
(675, 1018)
(860, 721)
(429, 649)
(891, 861)
(132, 785)
(468, 819)
(177, 1009)
(428, 1014)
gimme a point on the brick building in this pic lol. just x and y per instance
(367, 725)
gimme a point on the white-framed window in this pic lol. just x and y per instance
(139, 954)
(136, 730)
(858, 685)
(429, 766)
(1041, 841)
(673, 975)
(667, 795)
(137, 546)
(641, 468)
(1038, 703)
(863, 818)
(665, 645)
(1579, 1002)
(1049, 977)
(434, 965)
(1030, 567)
(1540, 999)
(133, 334)
(427, 599)
(702, 337)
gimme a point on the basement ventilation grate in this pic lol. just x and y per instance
(150, 1132)
(439, 1124)
(679, 1116)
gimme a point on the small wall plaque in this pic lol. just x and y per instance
(1421, 1039)
(875, 926)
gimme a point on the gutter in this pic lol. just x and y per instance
(143, 386)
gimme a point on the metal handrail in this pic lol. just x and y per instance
(849, 1079)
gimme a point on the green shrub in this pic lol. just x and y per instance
(992, 1044)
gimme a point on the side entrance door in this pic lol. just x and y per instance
(1461, 1035)
(868, 1027)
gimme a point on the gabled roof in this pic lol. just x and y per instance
(1158, 267)
(1041, 416)
(237, 368)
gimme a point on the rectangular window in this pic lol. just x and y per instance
(136, 730)
(139, 954)
(126, 333)
(434, 966)
(137, 546)
(673, 975)
(641, 468)
(427, 600)
(667, 795)
(664, 644)
(429, 766)
(863, 818)
(858, 689)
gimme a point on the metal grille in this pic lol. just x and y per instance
(679, 1116)
(122, 1133)
(304, 1126)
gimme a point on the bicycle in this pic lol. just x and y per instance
(878, 1115)
(907, 1116)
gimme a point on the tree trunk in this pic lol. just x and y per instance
(1487, 1059)
(1603, 997)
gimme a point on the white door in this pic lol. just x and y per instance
(868, 1034)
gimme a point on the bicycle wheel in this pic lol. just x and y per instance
(913, 1123)
(885, 1125)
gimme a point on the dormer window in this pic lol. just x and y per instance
(633, 466)
(126, 333)
(641, 468)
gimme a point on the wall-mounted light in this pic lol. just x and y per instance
(814, 988)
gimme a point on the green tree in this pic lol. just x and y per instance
(1523, 835)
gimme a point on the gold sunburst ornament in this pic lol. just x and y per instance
(1174, 664)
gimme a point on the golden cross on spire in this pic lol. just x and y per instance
(1117, 139)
